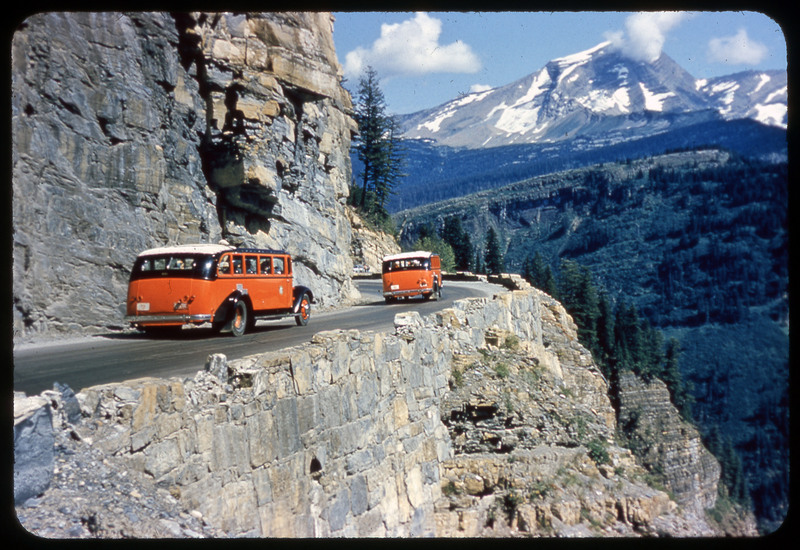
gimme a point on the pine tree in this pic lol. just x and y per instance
(579, 296)
(391, 171)
(671, 375)
(605, 333)
(378, 147)
(454, 235)
(627, 336)
(732, 479)
(479, 265)
(493, 256)
(534, 271)
(434, 243)
(549, 283)
(650, 361)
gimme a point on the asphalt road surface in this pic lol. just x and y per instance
(114, 357)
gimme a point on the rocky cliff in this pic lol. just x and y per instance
(134, 130)
(485, 419)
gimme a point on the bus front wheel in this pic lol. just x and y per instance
(304, 311)
(240, 322)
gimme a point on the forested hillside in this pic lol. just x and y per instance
(697, 241)
(437, 173)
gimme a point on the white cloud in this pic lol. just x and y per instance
(479, 88)
(412, 48)
(645, 34)
(738, 49)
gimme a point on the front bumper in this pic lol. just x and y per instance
(412, 292)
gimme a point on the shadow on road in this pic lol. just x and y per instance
(202, 332)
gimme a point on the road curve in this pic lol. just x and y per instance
(114, 357)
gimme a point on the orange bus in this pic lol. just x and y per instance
(226, 286)
(412, 274)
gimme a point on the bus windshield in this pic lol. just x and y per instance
(406, 264)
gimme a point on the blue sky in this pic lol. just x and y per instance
(427, 58)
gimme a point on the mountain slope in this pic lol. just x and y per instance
(761, 96)
(598, 93)
(698, 242)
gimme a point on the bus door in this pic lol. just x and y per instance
(277, 286)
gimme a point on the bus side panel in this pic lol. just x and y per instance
(269, 292)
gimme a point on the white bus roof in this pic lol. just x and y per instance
(188, 249)
(408, 255)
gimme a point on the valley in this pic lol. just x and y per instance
(698, 242)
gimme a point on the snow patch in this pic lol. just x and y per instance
(602, 101)
(763, 79)
(522, 115)
(777, 95)
(571, 62)
(653, 101)
(622, 73)
(581, 57)
(434, 125)
(772, 115)
(517, 120)
(727, 90)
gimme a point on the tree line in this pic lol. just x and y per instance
(618, 338)
(456, 249)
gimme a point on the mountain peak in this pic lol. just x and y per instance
(580, 57)
(595, 93)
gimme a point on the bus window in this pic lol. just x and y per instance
(175, 263)
(225, 265)
(204, 267)
(237, 265)
(266, 265)
(251, 264)
(278, 263)
(288, 266)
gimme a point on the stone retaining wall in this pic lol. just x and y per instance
(339, 437)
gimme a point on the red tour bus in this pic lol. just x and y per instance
(412, 274)
(226, 286)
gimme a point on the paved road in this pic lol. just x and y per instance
(115, 357)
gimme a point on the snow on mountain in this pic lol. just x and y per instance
(762, 96)
(598, 94)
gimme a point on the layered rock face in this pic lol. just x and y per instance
(370, 246)
(666, 444)
(134, 130)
